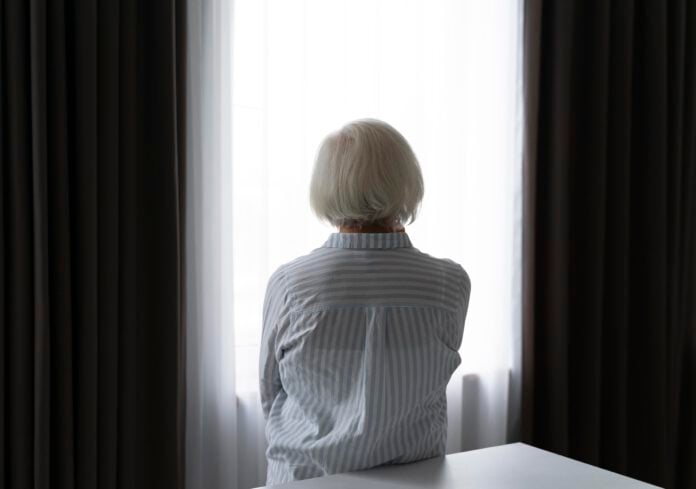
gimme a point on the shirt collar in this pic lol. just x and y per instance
(368, 240)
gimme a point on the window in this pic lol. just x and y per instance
(445, 74)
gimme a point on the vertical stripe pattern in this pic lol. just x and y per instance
(360, 338)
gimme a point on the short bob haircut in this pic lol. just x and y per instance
(366, 174)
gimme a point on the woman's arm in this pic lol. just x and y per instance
(274, 312)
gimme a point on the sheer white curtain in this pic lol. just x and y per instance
(211, 408)
(446, 73)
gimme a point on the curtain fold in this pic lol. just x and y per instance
(610, 252)
(91, 258)
(212, 436)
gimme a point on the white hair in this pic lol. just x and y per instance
(366, 173)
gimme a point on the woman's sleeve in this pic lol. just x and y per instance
(275, 311)
(465, 291)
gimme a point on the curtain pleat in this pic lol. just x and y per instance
(610, 213)
(91, 289)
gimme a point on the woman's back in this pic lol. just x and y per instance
(360, 339)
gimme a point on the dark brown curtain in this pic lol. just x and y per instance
(92, 135)
(610, 248)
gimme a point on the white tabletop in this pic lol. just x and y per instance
(517, 466)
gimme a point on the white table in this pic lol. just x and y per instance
(517, 466)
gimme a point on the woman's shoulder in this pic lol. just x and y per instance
(448, 267)
(295, 266)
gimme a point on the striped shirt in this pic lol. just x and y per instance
(360, 338)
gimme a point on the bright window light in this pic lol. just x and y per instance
(442, 72)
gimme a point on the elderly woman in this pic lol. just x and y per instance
(360, 336)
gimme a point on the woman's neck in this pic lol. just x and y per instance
(371, 228)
